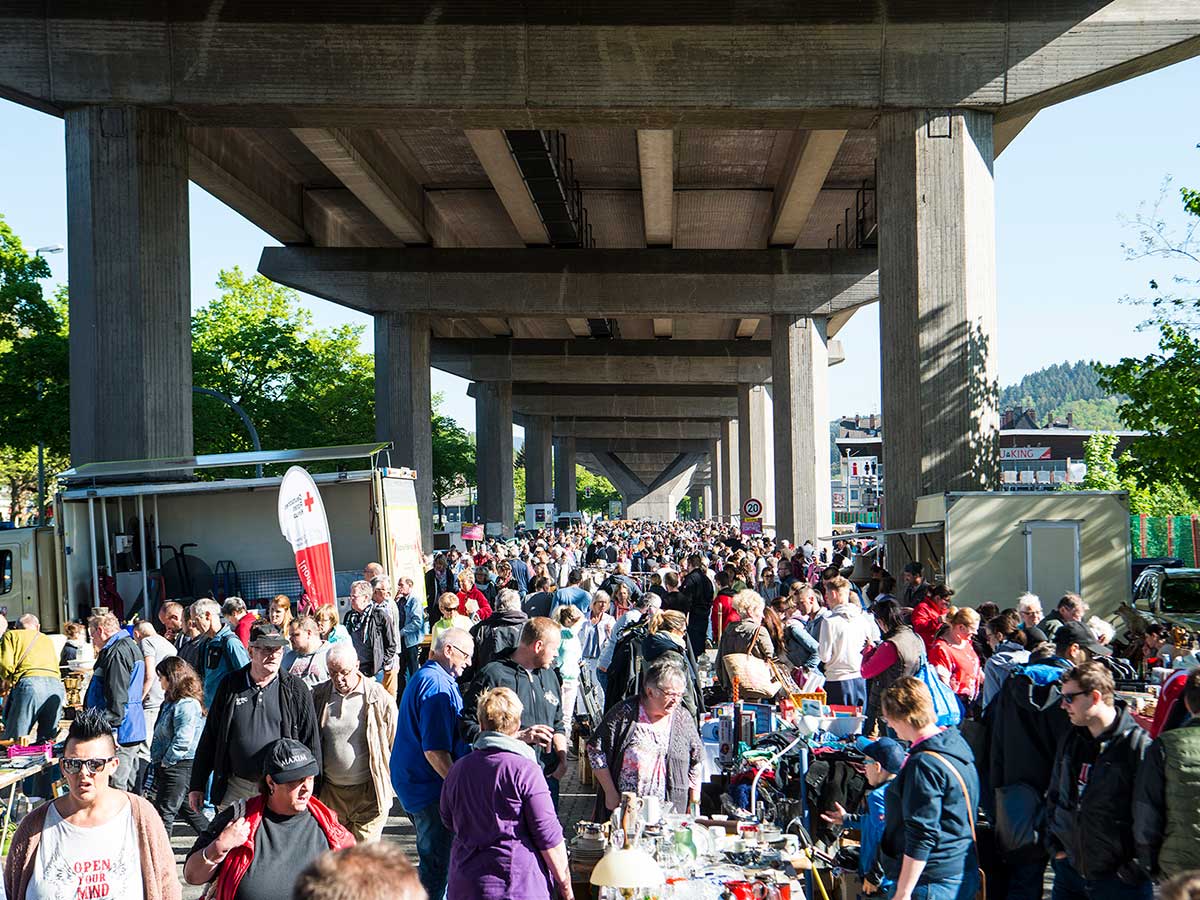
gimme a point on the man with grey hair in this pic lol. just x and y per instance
(427, 744)
(368, 628)
(500, 632)
(381, 596)
(357, 722)
(1029, 608)
(223, 652)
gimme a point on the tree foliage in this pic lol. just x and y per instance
(1162, 390)
(1104, 473)
(301, 386)
(593, 492)
(1055, 391)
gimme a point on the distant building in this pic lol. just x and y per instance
(1032, 457)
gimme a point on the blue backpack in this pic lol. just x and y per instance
(945, 704)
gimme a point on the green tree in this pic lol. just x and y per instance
(1104, 473)
(1162, 390)
(593, 492)
(301, 386)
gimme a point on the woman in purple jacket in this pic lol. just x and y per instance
(508, 843)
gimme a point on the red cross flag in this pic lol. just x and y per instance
(302, 521)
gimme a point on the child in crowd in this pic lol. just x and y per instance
(885, 757)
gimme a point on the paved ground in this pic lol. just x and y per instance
(575, 804)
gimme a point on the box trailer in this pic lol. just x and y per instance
(152, 530)
(993, 545)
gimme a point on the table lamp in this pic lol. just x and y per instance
(627, 868)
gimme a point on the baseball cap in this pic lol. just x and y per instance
(288, 760)
(266, 635)
(886, 751)
(1077, 633)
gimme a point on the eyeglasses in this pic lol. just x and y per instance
(465, 654)
(1068, 697)
(73, 766)
(669, 695)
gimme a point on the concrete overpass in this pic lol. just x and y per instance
(657, 173)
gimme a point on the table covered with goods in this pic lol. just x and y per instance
(770, 770)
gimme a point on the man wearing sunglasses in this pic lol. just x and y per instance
(96, 841)
(427, 744)
(1090, 798)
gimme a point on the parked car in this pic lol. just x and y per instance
(1141, 563)
(1170, 595)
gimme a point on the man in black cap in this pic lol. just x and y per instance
(253, 707)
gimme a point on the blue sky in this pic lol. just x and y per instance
(1062, 189)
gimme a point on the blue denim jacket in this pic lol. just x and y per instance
(177, 732)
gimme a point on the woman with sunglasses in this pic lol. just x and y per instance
(96, 841)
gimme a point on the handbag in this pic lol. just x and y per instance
(756, 680)
(981, 893)
(946, 707)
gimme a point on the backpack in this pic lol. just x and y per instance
(945, 704)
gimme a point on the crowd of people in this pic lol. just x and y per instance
(284, 737)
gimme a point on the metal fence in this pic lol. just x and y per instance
(1177, 536)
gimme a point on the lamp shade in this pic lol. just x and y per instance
(632, 868)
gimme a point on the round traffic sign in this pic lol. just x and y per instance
(752, 508)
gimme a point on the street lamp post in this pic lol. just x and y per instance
(41, 475)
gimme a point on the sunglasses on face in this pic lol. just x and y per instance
(1068, 697)
(73, 766)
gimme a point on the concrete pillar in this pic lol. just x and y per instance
(695, 495)
(714, 479)
(731, 496)
(937, 280)
(755, 452)
(566, 492)
(707, 508)
(800, 385)
(538, 460)
(494, 455)
(403, 414)
(130, 307)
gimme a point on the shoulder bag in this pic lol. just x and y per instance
(756, 680)
(981, 892)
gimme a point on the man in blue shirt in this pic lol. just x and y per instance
(223, 652)
(427, 744)
(573, 594)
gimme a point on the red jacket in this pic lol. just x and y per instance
(485, 608)
(723, 615)
(237, 863)
(927, 621)
(242, 630)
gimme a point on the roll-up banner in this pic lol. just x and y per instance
(303, 523)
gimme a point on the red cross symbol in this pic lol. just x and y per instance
(308, 501)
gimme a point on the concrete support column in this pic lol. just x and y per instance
(715, 479)
(566, 492)
(707, 508)
(538, 466)
(755, 451)
(731, 495)
(130, 308)
(800, 387)
(494, 455)
(402, 405)
(937, 280)
(695, 496)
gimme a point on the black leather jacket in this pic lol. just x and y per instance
(1095, 827)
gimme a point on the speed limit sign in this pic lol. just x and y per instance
(752, 508)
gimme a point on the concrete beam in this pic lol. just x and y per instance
(1005, 132)
(248, 177)
(369, 170)
(639, 445)
(561, 369)
(491, 147)
(811, 158)
(660, 429)
(663, 328)
(558, 405)
(772, 65)
(656, 160)
(587, 348)
(746, 329)
(580, 283)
